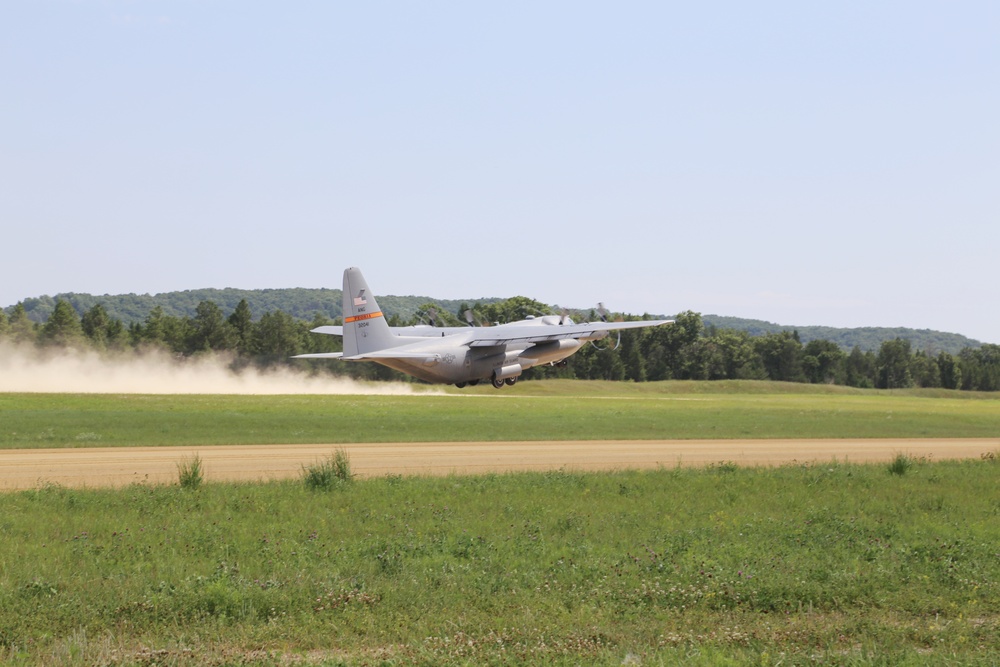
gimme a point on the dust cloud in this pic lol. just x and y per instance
(27, 369)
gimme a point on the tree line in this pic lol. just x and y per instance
(304, 303)
(686, 350)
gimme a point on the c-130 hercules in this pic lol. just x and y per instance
(457, 355)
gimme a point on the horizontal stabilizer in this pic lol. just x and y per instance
(396, 354)
(320, 355)
(329, 329)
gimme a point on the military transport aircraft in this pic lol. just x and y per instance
(457, 355)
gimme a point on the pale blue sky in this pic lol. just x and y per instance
(799, 162)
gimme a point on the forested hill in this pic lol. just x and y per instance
(866, 338)
(307, 303)
(299, 302)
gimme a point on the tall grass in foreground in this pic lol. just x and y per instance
(190, 474)
(831, 563)
(333, 471)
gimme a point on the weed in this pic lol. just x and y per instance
(900, 465)
(333, 471)
(725, 467)
(190, 473)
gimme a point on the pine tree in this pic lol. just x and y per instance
(241, 322)
(20, 329)
(63, 327)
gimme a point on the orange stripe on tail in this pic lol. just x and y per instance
(364, 316)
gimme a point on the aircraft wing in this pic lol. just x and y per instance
(501, 335)
(488, 336)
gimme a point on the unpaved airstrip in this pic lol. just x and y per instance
(121, 466)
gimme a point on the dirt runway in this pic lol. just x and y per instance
(119, 466)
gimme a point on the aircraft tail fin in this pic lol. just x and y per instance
(365, 328)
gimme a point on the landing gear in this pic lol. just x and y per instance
(460, 385)
(500, 382)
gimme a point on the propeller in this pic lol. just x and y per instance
(603, 312)
(471, 318)
(618, 343)
(428, 316)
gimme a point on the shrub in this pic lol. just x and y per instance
(190, 473)
(332, 471)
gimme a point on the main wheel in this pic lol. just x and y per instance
(511, 381)
(497, 382)
(460, 385)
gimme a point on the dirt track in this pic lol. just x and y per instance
(118, 466)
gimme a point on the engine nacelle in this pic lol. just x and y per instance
(511, 371)
(548, 353)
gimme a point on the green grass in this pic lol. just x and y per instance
(830, 564)
(189, 473)
(330, 473)
(529, 411)
(901, 464)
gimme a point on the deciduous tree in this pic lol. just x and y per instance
(781, 356)
(892, 365)
(860, 369)
(950, 371)
(924, 370)
(823, 362)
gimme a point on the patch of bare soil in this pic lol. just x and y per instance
(120, 466)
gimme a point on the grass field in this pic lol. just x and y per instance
(529, 411)
(830, 563)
